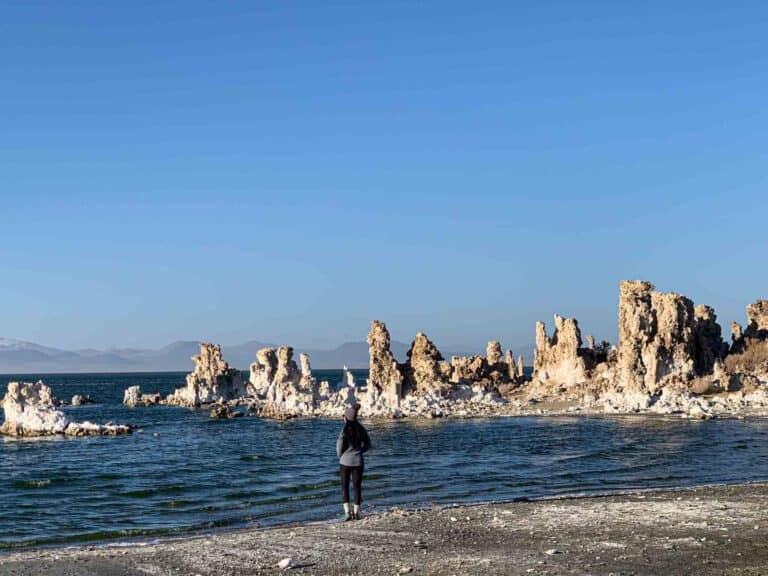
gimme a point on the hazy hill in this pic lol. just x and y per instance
(18, 356)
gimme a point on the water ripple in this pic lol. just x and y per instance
(186, 472)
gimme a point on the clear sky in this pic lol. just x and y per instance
(288, 171)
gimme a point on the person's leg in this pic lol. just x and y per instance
(357, 480)
(345, 473)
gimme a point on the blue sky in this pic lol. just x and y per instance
(288, 171)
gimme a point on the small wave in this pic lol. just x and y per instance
(178, 503)
(42, 483)
(108, 476)
(252, 457)
(83, 538)
(147, 492)
(525, 484)
(32, 484)
(275, 500)
(639, 480)
(311, 486)
(373, 476)
(245, 494)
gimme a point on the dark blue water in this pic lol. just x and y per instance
(185, 472)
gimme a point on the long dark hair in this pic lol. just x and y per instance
(353, 434)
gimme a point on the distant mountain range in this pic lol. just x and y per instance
(20, 357)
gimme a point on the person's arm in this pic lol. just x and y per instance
(366, 441)
(340, 444)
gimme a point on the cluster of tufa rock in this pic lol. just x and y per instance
(427, 385)
(749, 350)
(664, 339)
(670, 353)
(671, 357)
(494, 370)
(212, 381)
(285, 390)
(562, 359)
(132, 397)
(30, 410)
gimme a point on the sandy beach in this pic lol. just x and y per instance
(707, 530)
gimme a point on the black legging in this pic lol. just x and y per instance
(357, 479)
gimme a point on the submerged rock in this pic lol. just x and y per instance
(224, 412)
(30, 411)
(91, 429)
(80, 399)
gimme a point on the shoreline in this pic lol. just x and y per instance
(554, 535)
(185, 534)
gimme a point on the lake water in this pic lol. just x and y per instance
(183, 472)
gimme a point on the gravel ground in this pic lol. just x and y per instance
(701, 531)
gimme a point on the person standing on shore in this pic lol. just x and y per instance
(352, 443)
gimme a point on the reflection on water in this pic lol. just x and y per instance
(185, 472)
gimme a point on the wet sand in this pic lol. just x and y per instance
(702, 531)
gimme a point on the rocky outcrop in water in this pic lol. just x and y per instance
(263, 370)
(709, 347)
(223, 412)
(426, 385)
(82, 399)
(757, 320)
(422, 372)
(670, 354)
(348, 379)
(276, 368)
(671, 358)
(211, 382)
(489, 372)
(663, 339)
(285, 390)
(748, 359)
(132, 397)
(385, 379)
(292, 392)
(757, 327)
(287, 370)
(30, 411)
(562, 360)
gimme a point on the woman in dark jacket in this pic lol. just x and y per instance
(352, 443)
